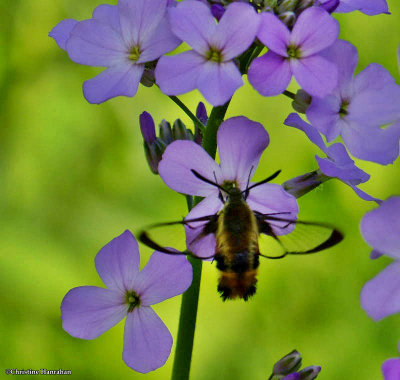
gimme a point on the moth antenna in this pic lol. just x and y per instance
(206, 180)
(246, 192)
(270, 178)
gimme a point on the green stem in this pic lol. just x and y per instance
(187, 111)
(187, 319)
(210, 137)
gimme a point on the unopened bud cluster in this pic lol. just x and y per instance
(154, 146)
(287, 369)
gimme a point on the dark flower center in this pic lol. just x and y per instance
(214, 55)
(343, 108)
(293, 51)
(134, 53)
(132, 300)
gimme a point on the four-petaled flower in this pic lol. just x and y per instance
(89, 311)
(240, 145)
(297, 53)
(358, 107)
(209, 67)
(122, 38)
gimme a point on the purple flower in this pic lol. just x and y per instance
(89, 311)
(297, 53)
(122, 38)
(209, 67)
(391, 368)
(240, 144)
(338, 163)
(358, 107)
(380, 228)
(369, 7)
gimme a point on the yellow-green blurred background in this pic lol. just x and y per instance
(73, 176)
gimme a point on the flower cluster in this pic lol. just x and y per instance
(359, 115)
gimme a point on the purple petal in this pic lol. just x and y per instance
(139, 18)
(147, 341)
(94, 43)
(373, 144)
(118, 262)
(218, 81)
(315, 75)
(161, 41)
(240, 145)
(270, 74)
(271, 198)
(89, 311)
(377, 97)
(314, 31)
(345, 56)
(178, 74)
(391, 369)
(202, 246)
(363, 195)
(341, 165)
(163, 277)
(236, 30)
(323, 114)
(109, 15)
(179, 159)
(61, 32)
(381, 228)
(294, 120)
(274, 34)
(380, 297)
(369, 7)
(119, 80)
(193, 23)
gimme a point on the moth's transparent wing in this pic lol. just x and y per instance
(303, 238)
(171, 237)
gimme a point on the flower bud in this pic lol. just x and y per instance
(309, 373)
(217, 11)
(292, 376)
(304, 4)
(288, 18)
(271, 3)
(301, 101)
(147, 127)
(287, 6)
(179, 130)
(165, 132)
(330, 5)
(303, 184)
(148, 78)
(153, 153)
(288, 364)
(201, 113)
